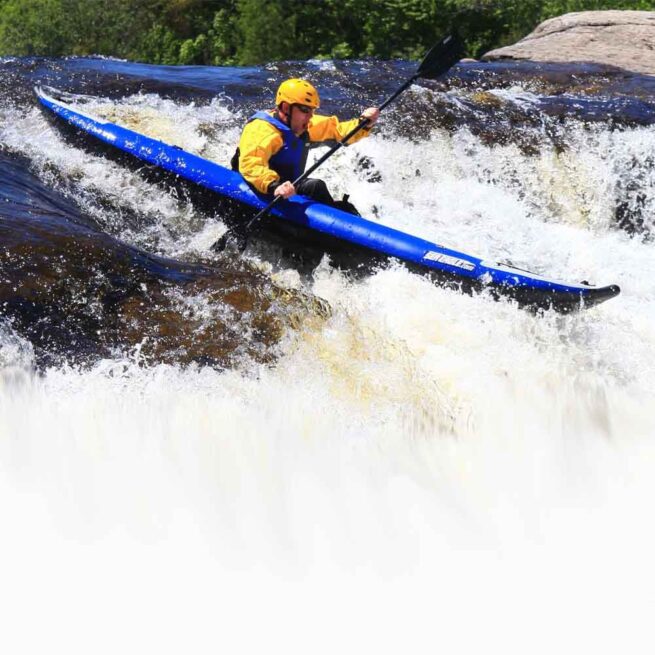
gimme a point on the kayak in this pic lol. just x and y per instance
(300, 220)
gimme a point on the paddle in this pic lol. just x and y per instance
(439, 59)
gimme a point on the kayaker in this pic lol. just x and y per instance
(273, 147)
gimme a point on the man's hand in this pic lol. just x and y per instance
(372, 114)
(286, 190)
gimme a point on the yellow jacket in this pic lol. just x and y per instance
(261, 140)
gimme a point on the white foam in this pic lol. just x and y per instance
(421, 470)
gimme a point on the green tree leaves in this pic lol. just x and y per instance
(267, 32)
(33, 27)
(224, 32)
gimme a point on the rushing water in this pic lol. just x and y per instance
(197, 452)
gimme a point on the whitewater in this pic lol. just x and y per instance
(417, 470)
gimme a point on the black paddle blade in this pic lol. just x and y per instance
(441, 57)
(234, 241)
(220, 244)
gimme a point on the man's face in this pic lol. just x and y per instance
(299, 118)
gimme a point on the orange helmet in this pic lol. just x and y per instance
(297, 92)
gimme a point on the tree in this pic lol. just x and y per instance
(33, 27)
(258, 31)
(267, 34)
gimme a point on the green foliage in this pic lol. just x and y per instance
(398, 28)
(159, 45)
(33, 27)
(557, 7)
(266, 31)
(223, 32)
(224, 35)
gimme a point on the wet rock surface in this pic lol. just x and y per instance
(612, 39)
(78, 295)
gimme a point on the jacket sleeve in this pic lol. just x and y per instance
(330, 128)
(259, 142)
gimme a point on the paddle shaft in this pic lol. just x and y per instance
(361, 125)
(440, 58)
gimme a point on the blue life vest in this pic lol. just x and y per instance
(289, 162)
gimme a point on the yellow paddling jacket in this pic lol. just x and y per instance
(269, 152)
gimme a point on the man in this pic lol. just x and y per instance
(273, 147)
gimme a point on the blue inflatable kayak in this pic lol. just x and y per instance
(305, 220)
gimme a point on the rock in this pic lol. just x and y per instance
(615, 39)
(78, 295)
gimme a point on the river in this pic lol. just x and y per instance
(338, 462)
